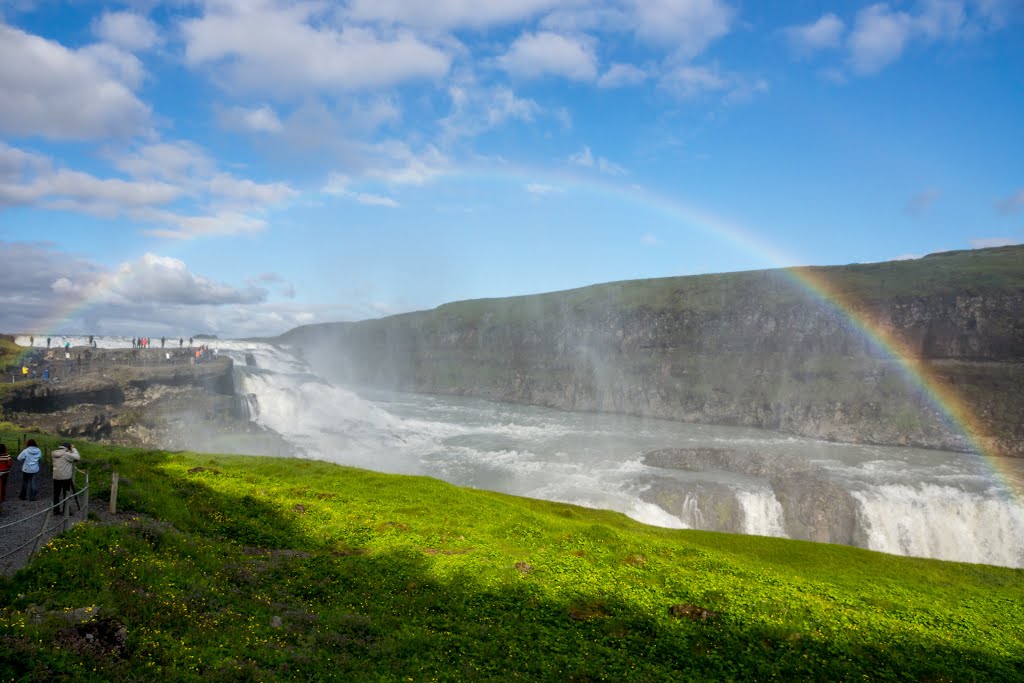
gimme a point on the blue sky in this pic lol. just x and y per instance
(239, 168)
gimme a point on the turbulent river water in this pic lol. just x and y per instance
(903, 501)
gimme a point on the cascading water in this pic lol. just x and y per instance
(898, 500)
(762, 512)
(908, 501)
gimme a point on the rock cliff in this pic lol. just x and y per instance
(139, 398)
(759, 348)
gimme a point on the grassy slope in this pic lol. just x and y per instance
(383, 577)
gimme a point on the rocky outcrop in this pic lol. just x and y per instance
(814, 507)
(760, 349)
(141, 398)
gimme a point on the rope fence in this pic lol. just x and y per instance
(67, 519)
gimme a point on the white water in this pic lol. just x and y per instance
(911, 501)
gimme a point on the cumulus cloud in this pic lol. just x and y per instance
(621, 75)
(878, 38)
(448, 14)
(254, 120)
(688, 26)
(54, 92)
(881, 34)
(534, 55)
(292, 50)
(159, 294)
(476, 109)
(826, 32)
(132, 32)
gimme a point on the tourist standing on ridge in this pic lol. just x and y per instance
(5, 469)
(181, 342)
(29, 469)
(31, 341)
(64, 459)
(47, 342)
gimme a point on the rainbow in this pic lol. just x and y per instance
(951, 405)
(959, 414)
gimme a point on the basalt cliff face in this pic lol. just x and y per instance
(145, 398)
(888, 353)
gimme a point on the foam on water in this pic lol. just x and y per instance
(943, 522)
(911, 501)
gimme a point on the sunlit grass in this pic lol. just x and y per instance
(283, 569)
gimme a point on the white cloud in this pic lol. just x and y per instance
(691, 81)
(650, 240)
(128, 31)
(291, 50)
(164, 279)
(534, 55)
(338, 186)
(826, 32)
(51, 91)
(255, 120)
(543, 190)
(907, 257)
(448, 13)
(395, 163)
(585, 158)
(688, 26)
(155, 293)
(621, 75)
(878, 38)
(178, 226)
(1012, 204)
(881, 34)
(225, 186)
(173, 161)
(986, 242)
(477, 109)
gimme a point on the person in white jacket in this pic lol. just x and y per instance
(64, 458)
(29, 459)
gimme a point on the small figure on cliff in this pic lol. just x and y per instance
(46, 374)
(31, 341)
(163, 342)
(181, 342)
(64, 459)
(29, 469)
(47, 342)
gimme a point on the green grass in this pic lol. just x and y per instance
(282, 569)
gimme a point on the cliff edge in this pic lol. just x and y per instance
(759, 348)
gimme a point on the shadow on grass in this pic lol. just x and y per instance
(225, 587)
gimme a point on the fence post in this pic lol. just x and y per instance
(113, 493)
(42, 532)
(86, 515)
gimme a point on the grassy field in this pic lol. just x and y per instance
(231, 568)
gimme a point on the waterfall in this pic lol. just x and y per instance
(762, 512)
(943, 522)
(900, 501)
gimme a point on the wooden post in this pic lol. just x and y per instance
(42, 533)
(113, 493)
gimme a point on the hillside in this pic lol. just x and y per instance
(753, 348)
(226, 568)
